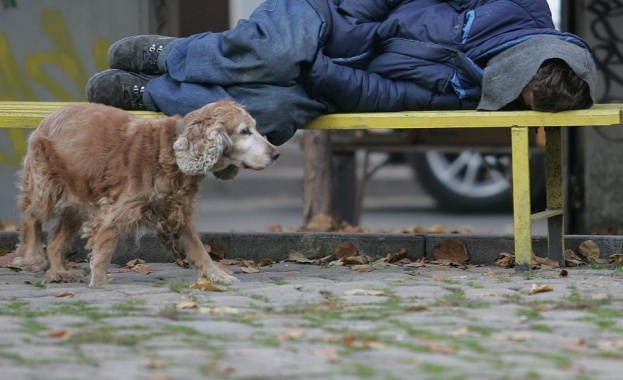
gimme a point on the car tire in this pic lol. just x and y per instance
(473, 181)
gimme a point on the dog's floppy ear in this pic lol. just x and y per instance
(228, 173)
(201, 145)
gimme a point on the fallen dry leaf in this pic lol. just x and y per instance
(540, 289)
(396, 256)
(614, 259)
(437, 228)
(186, 304)
(453, 250)
(364, 292)
(441, 348)
(356, 260)
(505, 260)
(7, 259)
(564, 273)
(590, 250)
(58, 334)
(362, 268)
(323, 260)
(291, 335)
(358, 343)
(216, 250)
(544, 262)
(134, 262)
(571, 259)
(142, 269)
(459, 332)
(249, 270)
(298, 257)
(204, 284)
(222, 310)
(64, 294)
(320, 223)
(513, 337)
(265, 262)
(345, 250)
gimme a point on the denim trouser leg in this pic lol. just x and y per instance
(278, 110)
(268, 48)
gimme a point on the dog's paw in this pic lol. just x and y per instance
(32, 264)
(63, 276)
(223, 278)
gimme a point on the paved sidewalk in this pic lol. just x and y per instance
(296, 321)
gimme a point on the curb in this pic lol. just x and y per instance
(482, 249)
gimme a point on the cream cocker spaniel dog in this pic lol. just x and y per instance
(104, 168)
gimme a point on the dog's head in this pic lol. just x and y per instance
(221, 137)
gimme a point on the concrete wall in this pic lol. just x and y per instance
(595, 154)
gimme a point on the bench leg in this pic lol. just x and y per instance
(555, 195)
(521, 199)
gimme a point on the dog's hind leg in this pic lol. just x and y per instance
(61, 237)
(30, 253)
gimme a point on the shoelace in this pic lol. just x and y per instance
(150, 58)
(133, 93)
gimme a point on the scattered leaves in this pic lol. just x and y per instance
(505, 260)
(291, 335)
(249, 270)
(540, 289)
(64, 294)
(452, 250)
(571, 259)
(142, 269)
(298, 257)
(364, 292)
(345, 250)
(7, 259)
(59, 334)
(321, 223)
(544, 262)
(205, 285)
(222, 310)
(590, 250)
(186, 304)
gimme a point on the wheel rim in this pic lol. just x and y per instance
(471, 173)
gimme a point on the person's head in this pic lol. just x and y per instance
(556, 87)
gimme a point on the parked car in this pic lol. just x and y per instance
(463, 170)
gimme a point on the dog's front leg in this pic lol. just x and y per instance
(103, 241)
(192, 247)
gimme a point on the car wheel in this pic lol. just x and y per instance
(473, 181)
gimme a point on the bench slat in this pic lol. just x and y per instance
(601, 114)
(15, 114)
(18, 114)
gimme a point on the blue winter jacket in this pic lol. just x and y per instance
(392, 55)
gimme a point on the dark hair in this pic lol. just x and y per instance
(556, 87)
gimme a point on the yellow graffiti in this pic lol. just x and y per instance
(15, 83)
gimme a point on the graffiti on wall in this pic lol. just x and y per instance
(607, 39)
(17, 80)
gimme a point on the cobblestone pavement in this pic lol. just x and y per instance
(295, 321)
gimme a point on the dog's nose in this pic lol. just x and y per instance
(274, 155)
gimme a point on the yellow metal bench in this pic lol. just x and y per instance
(29, 114)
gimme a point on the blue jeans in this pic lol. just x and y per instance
(257, 64)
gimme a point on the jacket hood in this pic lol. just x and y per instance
(508, 73)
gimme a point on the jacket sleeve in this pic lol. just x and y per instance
(355, 90)
(368, 10)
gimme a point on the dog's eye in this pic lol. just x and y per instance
(245, 131)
